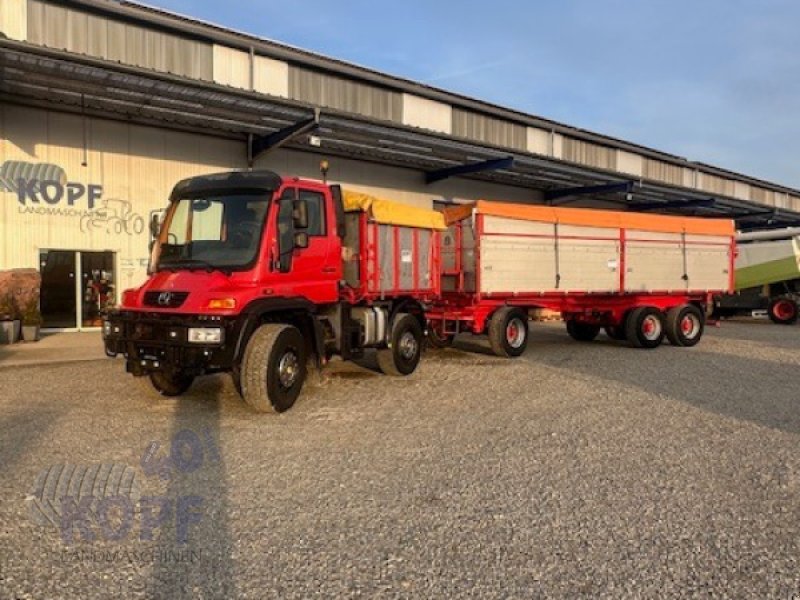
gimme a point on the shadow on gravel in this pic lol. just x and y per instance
(759, 391)
(22, 431)
(206, 567)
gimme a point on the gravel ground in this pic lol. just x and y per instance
(578, 470)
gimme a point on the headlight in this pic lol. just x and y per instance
(111, 329)
(205, 335)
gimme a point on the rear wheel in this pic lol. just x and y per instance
(405, 347)
(644, 327)
(273, 368)
(170, 384)
(783, 311)
(582, 332)
(508, 332)
(684, 325)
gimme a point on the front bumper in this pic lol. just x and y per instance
(160, 342)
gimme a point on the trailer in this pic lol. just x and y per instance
(254, 274)
(641, 277)
(767, 276)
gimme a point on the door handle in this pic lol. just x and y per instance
(329, 269)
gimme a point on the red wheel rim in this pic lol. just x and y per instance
(690, 326)
(784, 309)
(651, 327)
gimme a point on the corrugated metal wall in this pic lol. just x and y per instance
(662, 171)
(588, 154)
(467, 124)
(323, 89)
(83, 33)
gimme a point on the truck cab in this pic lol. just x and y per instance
(246, 277)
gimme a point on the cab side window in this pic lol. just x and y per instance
(285, 219)
(316, 212)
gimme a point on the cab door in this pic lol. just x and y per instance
(313, 272)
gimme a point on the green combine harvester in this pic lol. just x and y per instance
(767, 276)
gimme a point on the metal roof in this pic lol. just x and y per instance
(55, 79)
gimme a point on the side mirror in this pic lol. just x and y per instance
(301, 240)
(155, 225)
(300, 214)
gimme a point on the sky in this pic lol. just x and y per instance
(716, 81)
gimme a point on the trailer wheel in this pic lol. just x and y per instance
(644, 327)
(783, 311)
(170, 385)
(684, 325)
(508, 332)
(405, 347)
(273, 368)
(582, 332)
(615, 332)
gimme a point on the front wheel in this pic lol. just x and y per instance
(783, 311)
(405, 347)
(273, 368)
(684, 325)
(508, 332)
(170, 384)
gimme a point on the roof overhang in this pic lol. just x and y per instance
(55, 79)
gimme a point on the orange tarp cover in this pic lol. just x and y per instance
(590, 217)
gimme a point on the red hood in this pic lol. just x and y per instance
(199, 286)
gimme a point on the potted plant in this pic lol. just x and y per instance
(31, 321)
(9, 320)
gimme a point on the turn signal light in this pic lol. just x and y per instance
(222, 304)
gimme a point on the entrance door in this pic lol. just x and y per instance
(59, 300)
(77, 287)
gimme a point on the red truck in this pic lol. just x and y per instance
(254, 274)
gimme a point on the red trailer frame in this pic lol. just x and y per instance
(464, 310)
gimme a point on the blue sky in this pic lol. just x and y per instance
(716, 81)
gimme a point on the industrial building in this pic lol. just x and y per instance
(105, 105)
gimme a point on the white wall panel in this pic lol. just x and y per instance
(427, 114)
(231, 67)
(540, 141)
(14, 19)
(271, 77)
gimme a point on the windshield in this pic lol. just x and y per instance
(214, 232)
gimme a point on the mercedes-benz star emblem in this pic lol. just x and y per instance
(164, 299)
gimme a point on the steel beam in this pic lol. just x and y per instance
(606, 188)
(487, 165)
(259, 144)
(675, 204)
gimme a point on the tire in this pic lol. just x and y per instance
(644, 327)
(684, 325)
(273, 368)
(405, 347)
(783, 311)
(582, 332)
(438, 341)
(170, 384)
(508, 332)
(615, 332)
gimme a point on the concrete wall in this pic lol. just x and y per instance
(136, 168)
